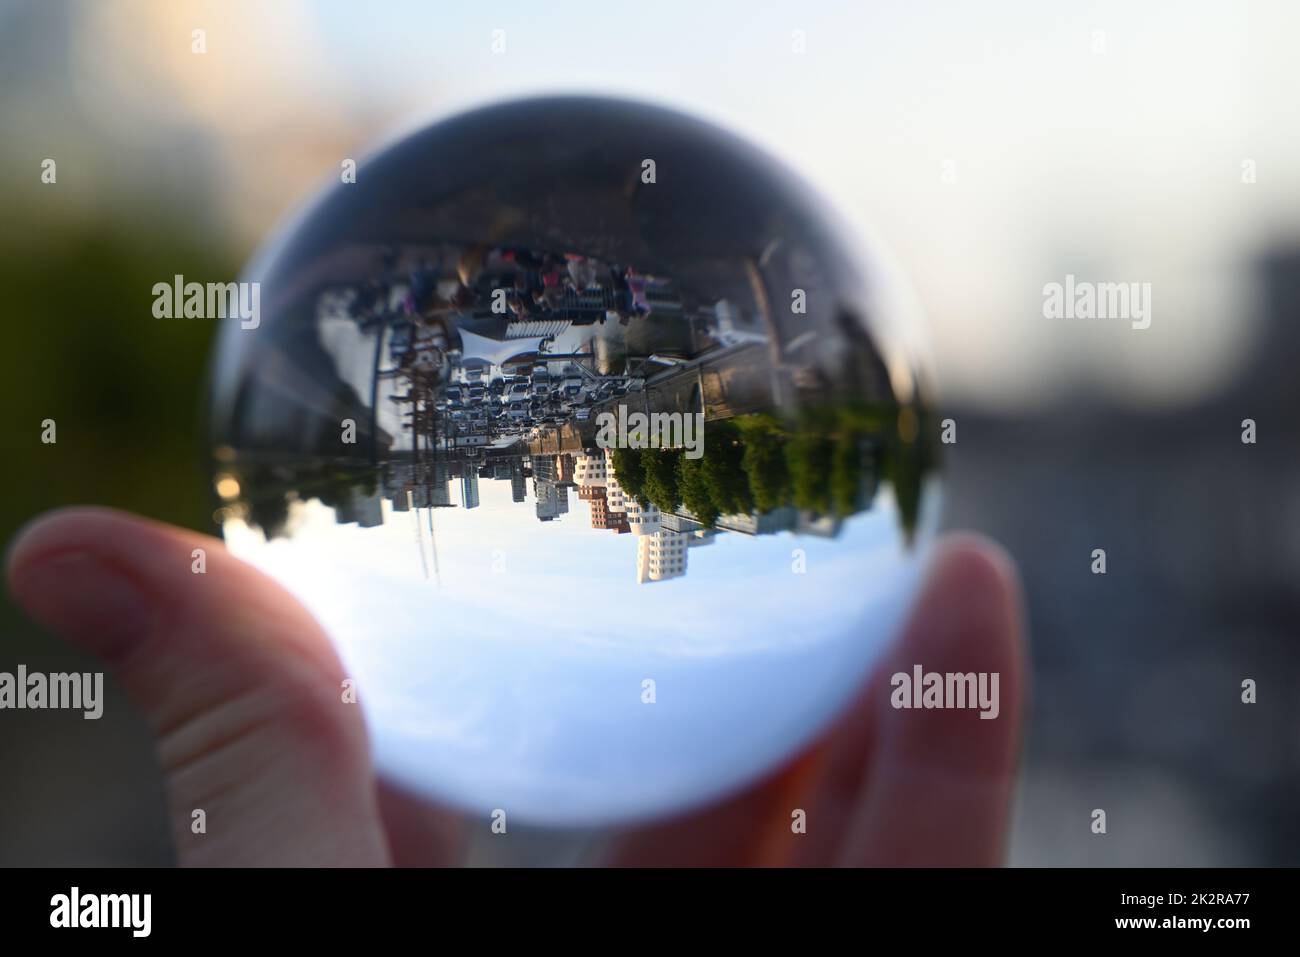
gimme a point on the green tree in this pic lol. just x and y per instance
(764, 462)
(846, 474)
(724, 468)
(694, 490)
(905, 465)
(630, 472)
(660, 466)
(808, 457)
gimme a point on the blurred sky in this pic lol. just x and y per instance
(1116, 164)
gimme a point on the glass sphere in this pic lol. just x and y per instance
(595, 446)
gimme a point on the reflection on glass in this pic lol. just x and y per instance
(497, 393)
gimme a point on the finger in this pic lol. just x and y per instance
(420, 833)
(939, 781)
(238, 681)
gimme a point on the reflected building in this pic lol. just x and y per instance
(678, 522)
(476, 395)
(438, 484)
(518, 487)
(783, 519)
(552, 500)
(361, 509)
(601, 515)
(564, 470)
(661, 555)
(589, 470)
(401, 498)
(642, 519)
(822, 526)
(556, 469)
(408, 483)
(469, 488)
(614, 497)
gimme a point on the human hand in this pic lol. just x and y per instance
(242, 689)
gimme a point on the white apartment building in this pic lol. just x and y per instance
(615, 500)
(641, 521)
(661, 555)
(590, 471)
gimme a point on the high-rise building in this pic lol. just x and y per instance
(661, 555)
(518, 488)
(783, 519)
(359, 508)
(676, 522)
(469, 488)
(545, 468)
(642, 520)
(548, 500)
(439, 494)
(615, 500)
(589, 470)
(370, 510)
(601, 516)
(564, 467)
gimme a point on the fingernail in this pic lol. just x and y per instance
(17, 539)
(86, 600)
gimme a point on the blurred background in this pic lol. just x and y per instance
(992, 148)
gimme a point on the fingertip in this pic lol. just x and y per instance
(86, 528)
(968, 622)
(33, 536)
(66, 565)
(970, 607)
(974, 564)
(943, 765)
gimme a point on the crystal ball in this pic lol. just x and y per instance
(602, 451)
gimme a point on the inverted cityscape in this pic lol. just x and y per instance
(448, 367)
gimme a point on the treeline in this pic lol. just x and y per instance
(759, 463)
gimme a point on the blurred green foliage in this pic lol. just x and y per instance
(83, 348)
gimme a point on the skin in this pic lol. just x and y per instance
(242, 689)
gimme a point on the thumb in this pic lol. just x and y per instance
(238, 681)
(940, 782)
